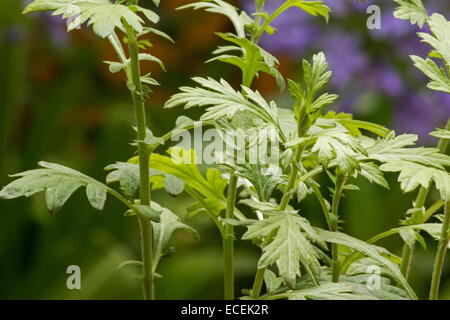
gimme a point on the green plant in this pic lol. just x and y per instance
(108, 21)
(260, 190)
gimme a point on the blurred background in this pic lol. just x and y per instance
(59, 103)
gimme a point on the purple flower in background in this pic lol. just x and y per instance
(384, 78)
(344, 56)
(421, 113)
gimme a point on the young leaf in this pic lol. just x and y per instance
(412, 10)
(291, 246)
(441, 134)
(439, 80)
(263, 180)
(272, 281)
(58, 182)
(251, 59)
(336, 144)
(162, 231)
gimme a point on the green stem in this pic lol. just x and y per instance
(269, 20)
(339, 185)
(408, 250)
(291, 182)
(228, 239)
(258, 19)
(293, 174)
(440, 255)
(145, 224)
(257, 284)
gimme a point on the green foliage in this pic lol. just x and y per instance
(412, 10)
(58, 182)
(440, 37)
(370, 251)
(290, 247)
(413, 175)
(102, 15)
(312, 142)
(439, 80)
(223, 101)
(441, 134)
(251, 59)
(163, 230)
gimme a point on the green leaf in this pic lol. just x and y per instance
(158, 33)
(368, 250)
(163, 230)
(413, 175)
(373, 174)
(151, 58)
(272, 281)
(264, 180)
(58, 182)
(439, 80)
(352, 286)
(440, 40)
(337, 144)
(103, 18)
(412, 10)
(149, 211)
(221, 7)
(223, 101)
(96, 194)
(126, 263)
(251, 59)
(52, 5)
(127, 175)
(291, 246)
(315, 8)
(395, 148)
(355, 125)
(441, 134)
(114, 66)
(182, 164)
(326, 291)
(316, 75)
(103, 15)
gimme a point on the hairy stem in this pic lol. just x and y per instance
(440, 255)
(339, 185)
(259, 278)
(228, 239)
(257, 284)
(407, 253)
(145, 224)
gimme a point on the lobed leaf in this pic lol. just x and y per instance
(58, 182)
